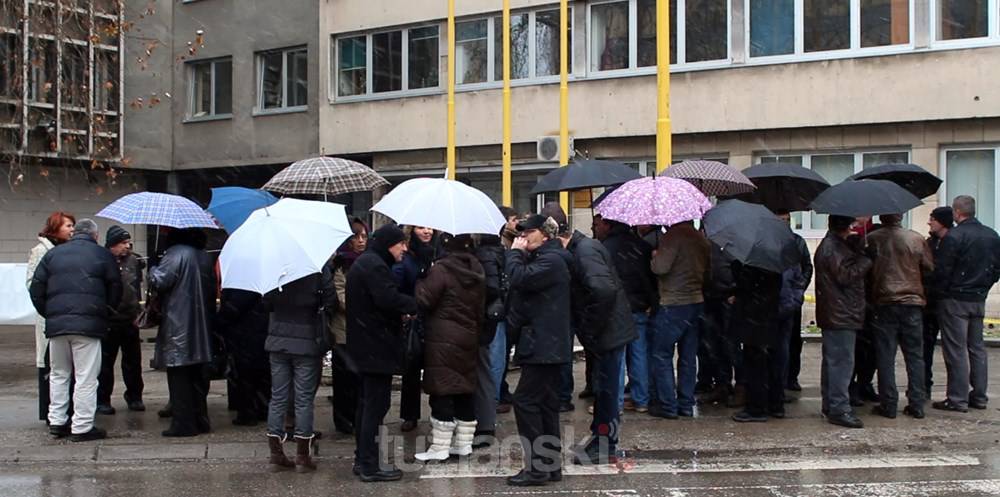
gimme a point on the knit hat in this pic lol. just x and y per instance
(388, 235)
(116, 234)
(943, 215)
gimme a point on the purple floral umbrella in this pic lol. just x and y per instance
(660, 201)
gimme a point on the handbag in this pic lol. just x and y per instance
(414, 353)
(150, 316)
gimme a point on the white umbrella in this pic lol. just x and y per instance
(443, 204)
(282, 243)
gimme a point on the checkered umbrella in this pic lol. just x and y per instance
(325, 176)
(713, 178)
(161, 209)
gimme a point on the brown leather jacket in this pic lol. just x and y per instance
(902, 260)
(840, 284)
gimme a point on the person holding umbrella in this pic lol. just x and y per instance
(185, 282)
(375, 311)
(841, 269)
(901, 260)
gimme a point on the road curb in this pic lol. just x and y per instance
(221, 451)
(816, 337)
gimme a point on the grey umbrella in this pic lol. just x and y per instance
(713, 178)
(325, 176)
(752, 234)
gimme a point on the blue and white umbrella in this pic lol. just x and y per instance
(161, 209)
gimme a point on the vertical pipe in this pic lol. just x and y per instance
(450, 154)
(505, 180)
(564, 96)
(663, 145)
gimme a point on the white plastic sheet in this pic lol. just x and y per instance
(15, 305)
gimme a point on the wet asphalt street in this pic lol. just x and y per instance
(946, 454)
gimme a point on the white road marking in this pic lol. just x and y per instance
(466, 470)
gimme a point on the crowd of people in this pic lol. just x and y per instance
(451, 314)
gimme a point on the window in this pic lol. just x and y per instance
(282, 79)
(10, 56)
(834, 168)
(534, 47)
(961, 19)
(974, 172)
(788, 27)
(211, 88)
(623, 33)
(106, 80)
(42, 71)
(388, 61)
(75, 87)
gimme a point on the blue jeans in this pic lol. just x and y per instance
(498, 356)
(300, 374)
(607, 395)
(566, 383)
(676, 326)
(638, 361)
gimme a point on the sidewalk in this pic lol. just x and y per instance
(135, 436)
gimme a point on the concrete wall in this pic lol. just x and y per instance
(240, 29)
(148, 125)
(26, 206)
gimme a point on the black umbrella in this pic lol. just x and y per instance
(752, 234)
(789, 187)
(585, 174)
(866, 197)
(600, 198)
(911, 177)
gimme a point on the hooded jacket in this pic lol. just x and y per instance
(602, 316)
(841, 271)
(631, 256)
(75, 287)
(539, 316)
(375, 308)
(185, 281)
(453, 299)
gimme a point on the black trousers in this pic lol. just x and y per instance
(345, 390)
(536, 411)
(795, 350)
(125, 338)
(188, 387)
(865, 360)
(409, 394)
(764, 371)
(931, 331)
(453, 407)
(251, 388)
(374, 397)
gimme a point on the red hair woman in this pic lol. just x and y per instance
(58, 229)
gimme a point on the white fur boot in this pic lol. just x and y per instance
(461, 445)
(441, 436)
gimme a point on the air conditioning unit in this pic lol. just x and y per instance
(547, 148)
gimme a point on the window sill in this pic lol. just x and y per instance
(201, 119)
(257, 112)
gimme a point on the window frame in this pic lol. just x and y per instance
(807, 230)
(369, 93)
(855, 50)
(192, 81)
(259, 83)
(680, 37)
(945, 197)
(992, 28)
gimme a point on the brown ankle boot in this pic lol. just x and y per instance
(303, 455)
(278, 460)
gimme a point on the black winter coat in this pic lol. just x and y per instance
(297, 320)
(631, 256)
(375, 308)
(75, 288)
(128, 309)
(539, 309)
(841, 273)
(452, 298)
(492, 257)
(602, 316)
(185, 281)
(756, 308)
(721, 284)
(242, 322)
(968, 262)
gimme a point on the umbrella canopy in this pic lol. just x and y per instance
(325, 176)
(231, 205)
(752, 234)
(713, 178)
(162, 209)
(654, 201)
(443, 204)
(585, 174)
(282, 243)
(600, 198)
(867, 197)
(911, 177)
(783, 186)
